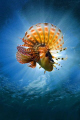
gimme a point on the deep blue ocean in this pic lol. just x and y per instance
(29, 94)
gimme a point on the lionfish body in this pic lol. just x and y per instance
(39, 41)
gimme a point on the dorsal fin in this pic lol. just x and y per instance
(44, 34)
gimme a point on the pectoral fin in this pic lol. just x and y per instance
(21, 58)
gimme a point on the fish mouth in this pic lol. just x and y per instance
(48, 54)
(51, 60)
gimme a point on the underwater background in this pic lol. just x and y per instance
(29, 94)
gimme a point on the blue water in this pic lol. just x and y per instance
(29, 94)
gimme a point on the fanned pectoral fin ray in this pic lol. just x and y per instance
(24, 51)
(22, 58)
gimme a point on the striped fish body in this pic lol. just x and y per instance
(39, 40)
